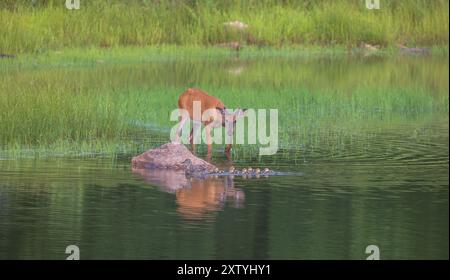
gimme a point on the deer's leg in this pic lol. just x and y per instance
(180, 129)
(191, 139)
(228, 148)
(228, 151)
(194, 132)
(208, 139)
(191, 136)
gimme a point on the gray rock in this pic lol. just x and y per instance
(417, 51)
(171, 156)
(177, 158)
(3, 55)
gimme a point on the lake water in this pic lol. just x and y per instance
(378, 179)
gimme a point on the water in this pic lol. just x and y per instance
(384, 184)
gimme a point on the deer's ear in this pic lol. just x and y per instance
(221, 110)
(240, 112)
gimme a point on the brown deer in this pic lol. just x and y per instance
(212, 113)
(195, 197)
(206, 196)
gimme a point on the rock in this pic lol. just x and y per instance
(369, 47)
(420, 51)
(173, 165)
(234, 45)
(170, 156)
(236, 25)
(4, 55)
(236, 71)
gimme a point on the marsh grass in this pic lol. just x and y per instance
(77, 106)
(48, 25)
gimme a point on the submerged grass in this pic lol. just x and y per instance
(164, 53)
(83, 107)
(39, 26)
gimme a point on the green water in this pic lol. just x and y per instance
(368, 136)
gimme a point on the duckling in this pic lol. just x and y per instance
(231, 170)
(216, 170)
(187, 162)
(188, 170)
(244, 170)
(257, 171)
(266, 170)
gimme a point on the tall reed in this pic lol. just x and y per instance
(45, 25)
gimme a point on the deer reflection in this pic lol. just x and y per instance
(196, 198)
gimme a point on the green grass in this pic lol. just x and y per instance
(70, 104)
(48, 25)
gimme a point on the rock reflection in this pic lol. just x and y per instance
(196, 198)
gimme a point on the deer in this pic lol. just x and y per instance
(213, 114)
(205, 196)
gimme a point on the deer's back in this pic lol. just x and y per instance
(187, 98)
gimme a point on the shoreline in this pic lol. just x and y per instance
(133, 54)
(38, 27)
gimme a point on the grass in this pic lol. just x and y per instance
(71, 104)
(38, 26)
